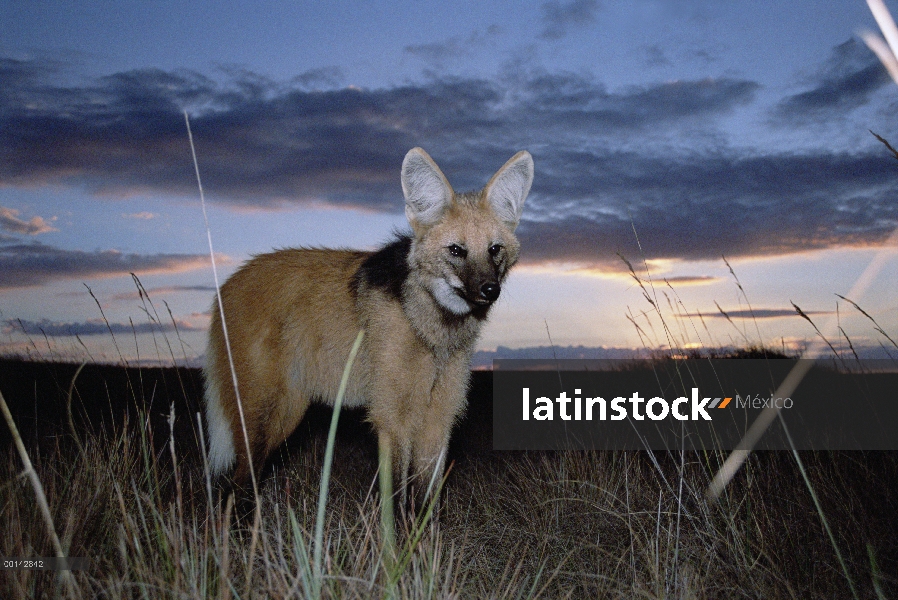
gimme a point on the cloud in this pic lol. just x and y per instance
(655, 56)
(758, 313)
(701, 207)
(438, 54)
(164, 291)
(321, 78)
(647, 157)
(692, 279)
(571, 103)
(265, 145)
(28, 265)
(847, 81)
(91, 327)
(560, 17)
(10, 221)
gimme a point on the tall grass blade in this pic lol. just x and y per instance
(224, 327)
(39, 495)
(735, 460)
(318, 556)
(68, 407)
(829, 531)
(387, 515)
(877, 574)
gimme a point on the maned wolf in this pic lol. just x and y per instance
(292, 316)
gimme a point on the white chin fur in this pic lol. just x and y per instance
(448, 298)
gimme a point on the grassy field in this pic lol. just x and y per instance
(127, 489)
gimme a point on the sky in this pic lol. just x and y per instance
(702, 168)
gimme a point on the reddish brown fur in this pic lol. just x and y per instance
(292, 316)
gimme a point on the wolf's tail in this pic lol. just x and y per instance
(220, 436)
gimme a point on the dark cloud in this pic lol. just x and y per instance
(264, 145)
(692, 279)
(702, 207)
(760, 313)
(846, 81)
(655, 56)
(607, 162)
(316, 79)
(91, 327)
(560, 17)
(27, 265)
(165, 291)
(574, 104)
(438, 54)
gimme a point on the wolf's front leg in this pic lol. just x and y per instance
(430, 468)
(447, 401)
(431, 446)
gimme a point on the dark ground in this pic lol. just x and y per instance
(859, 490)
(105, 397)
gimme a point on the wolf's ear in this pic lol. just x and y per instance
(509, 187)
(427, 191)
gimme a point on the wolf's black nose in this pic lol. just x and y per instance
(490, 291)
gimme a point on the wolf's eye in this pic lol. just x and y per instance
(456, 250)
(495, 249)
